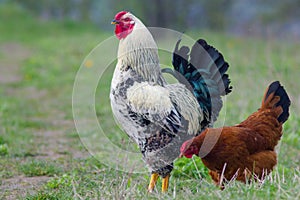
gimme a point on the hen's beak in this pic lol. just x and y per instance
(180, 155)
(115, 22)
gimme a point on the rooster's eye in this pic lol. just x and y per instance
(127, 19)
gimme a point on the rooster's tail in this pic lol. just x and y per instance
(204, 68)
(276, 96)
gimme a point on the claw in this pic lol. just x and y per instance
(153, 181)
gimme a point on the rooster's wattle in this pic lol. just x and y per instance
(159, 116)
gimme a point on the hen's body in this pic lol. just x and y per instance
(247, 149)
(159, 116)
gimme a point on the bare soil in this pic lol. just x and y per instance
(50, 144)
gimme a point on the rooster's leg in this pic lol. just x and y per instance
(165, 183)
(152, 183)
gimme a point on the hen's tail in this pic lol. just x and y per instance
(205, 71)
(276, 96)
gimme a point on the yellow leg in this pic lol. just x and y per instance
(165, 184)
(152, 183)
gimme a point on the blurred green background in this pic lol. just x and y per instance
(248, 17)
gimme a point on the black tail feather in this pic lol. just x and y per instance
(217, 65)
(205, 70)
(284, 101)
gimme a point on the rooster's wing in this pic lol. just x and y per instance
(168, 107)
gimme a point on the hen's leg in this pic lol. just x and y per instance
(153, 180)
(216, 178)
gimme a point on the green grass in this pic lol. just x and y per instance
(39, 168)
(38, 137)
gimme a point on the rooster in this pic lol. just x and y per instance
(156, 115)
(244, 151)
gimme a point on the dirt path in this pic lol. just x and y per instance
(10, 55)
(50, 144)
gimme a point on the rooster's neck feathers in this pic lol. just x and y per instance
(139, 52)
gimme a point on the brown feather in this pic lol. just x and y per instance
(245, 151)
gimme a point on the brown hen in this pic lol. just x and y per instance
(244, 151)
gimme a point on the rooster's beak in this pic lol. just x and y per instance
(180, 155)
(115, 22)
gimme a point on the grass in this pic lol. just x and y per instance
(39, 168)
(38, 137)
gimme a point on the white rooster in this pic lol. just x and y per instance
(159, 116)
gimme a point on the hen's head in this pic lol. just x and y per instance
(125, 23)
(189, 148)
